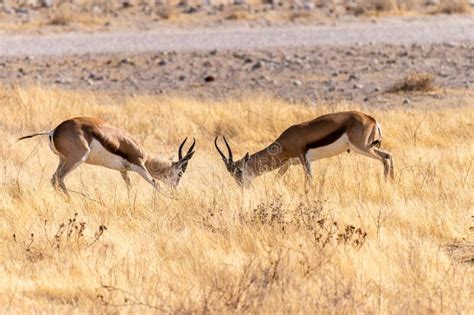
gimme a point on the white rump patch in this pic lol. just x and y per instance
(100, 156)
(337, 147)
(380, 129)
(51, 143)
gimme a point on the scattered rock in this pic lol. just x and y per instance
(126, 61)
(358, 86)
(297, 83)
(95, 77)
(126, 4)
(209, 78)
(259, 64)
(353, 77)
(248, 60)
(308, 6)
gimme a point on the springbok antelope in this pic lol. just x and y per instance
(320, 138)
(93, 141)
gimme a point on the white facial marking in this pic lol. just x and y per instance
(100, 156)
(339, 146)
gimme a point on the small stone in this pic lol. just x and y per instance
(162, 62)
(377, 89)
(47, 3)
(22, 10)
(209, 78)
(353, 77)
(190, 10)
(126, 4)
(95, 76)
(297, 83)
(182, 77)
(358, 86)
(213, 52)
(308, 6)
(259, 64)
(406, 101)
(126, 61)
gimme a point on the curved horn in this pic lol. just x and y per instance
(219, 150)
(191, 148)
(228, 149)
(180, 150)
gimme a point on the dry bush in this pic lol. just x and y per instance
(416, 81)
(453, 7)
(60, 19)
(213, 248)
(166, 12)
(385, 6)
(68, 238)
(238, 14)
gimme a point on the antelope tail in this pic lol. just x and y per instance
(34, 135)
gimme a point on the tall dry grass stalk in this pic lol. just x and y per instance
(212, 247)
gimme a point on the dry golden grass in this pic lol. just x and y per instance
(211, 248)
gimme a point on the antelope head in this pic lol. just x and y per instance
(171, 173)
(238, 169)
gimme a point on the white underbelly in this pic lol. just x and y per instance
(337, 147)
(100, 156)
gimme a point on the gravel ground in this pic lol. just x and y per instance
(357, 61)
(421, 30)
(359, 72)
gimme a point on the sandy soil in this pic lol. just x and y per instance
(390, 31)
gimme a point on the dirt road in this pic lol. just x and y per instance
(388, 31)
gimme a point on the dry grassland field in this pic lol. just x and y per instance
(354, 244)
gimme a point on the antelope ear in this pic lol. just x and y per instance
(246, 158)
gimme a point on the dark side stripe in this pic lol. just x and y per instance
(330, 138)
(111, 147)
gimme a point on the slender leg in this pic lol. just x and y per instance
(384, 157)
(140, 169)
(283, 170)
(67, 168)
(307, 169)
(54, 179)
(387, 162)
(126, 179)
